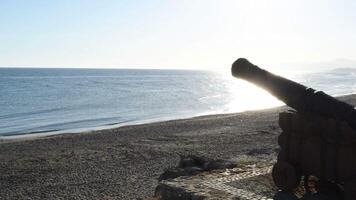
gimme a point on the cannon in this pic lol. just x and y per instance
(318, 137)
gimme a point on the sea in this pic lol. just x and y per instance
(38, 101)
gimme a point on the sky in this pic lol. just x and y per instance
(177, 34)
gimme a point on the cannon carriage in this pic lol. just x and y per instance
(318, 138)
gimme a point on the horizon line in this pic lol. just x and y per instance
(130, 68)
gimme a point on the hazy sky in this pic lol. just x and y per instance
(196, 34)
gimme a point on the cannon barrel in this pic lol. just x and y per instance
(295, 95)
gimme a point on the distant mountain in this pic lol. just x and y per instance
(345, 65)
(340, 64)
(344, 70)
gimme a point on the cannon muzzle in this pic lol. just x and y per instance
(295, 95)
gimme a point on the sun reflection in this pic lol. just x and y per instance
(246, 96)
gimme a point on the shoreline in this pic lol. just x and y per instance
(44, 134)
(47, 135)
(125, 162)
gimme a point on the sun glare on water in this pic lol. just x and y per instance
(246, 96)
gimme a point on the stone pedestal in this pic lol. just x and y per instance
(236, 183)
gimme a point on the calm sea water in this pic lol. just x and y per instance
(70, 100)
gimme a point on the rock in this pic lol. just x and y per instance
(177, 172)
(220, 164)
(192, 165)
(191, 160)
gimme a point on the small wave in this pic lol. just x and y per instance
(210, 97)
(29, 133)
(22, 114)
(76, 127)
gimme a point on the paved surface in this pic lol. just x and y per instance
(255, 183)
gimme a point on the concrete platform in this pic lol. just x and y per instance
(252, 183)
